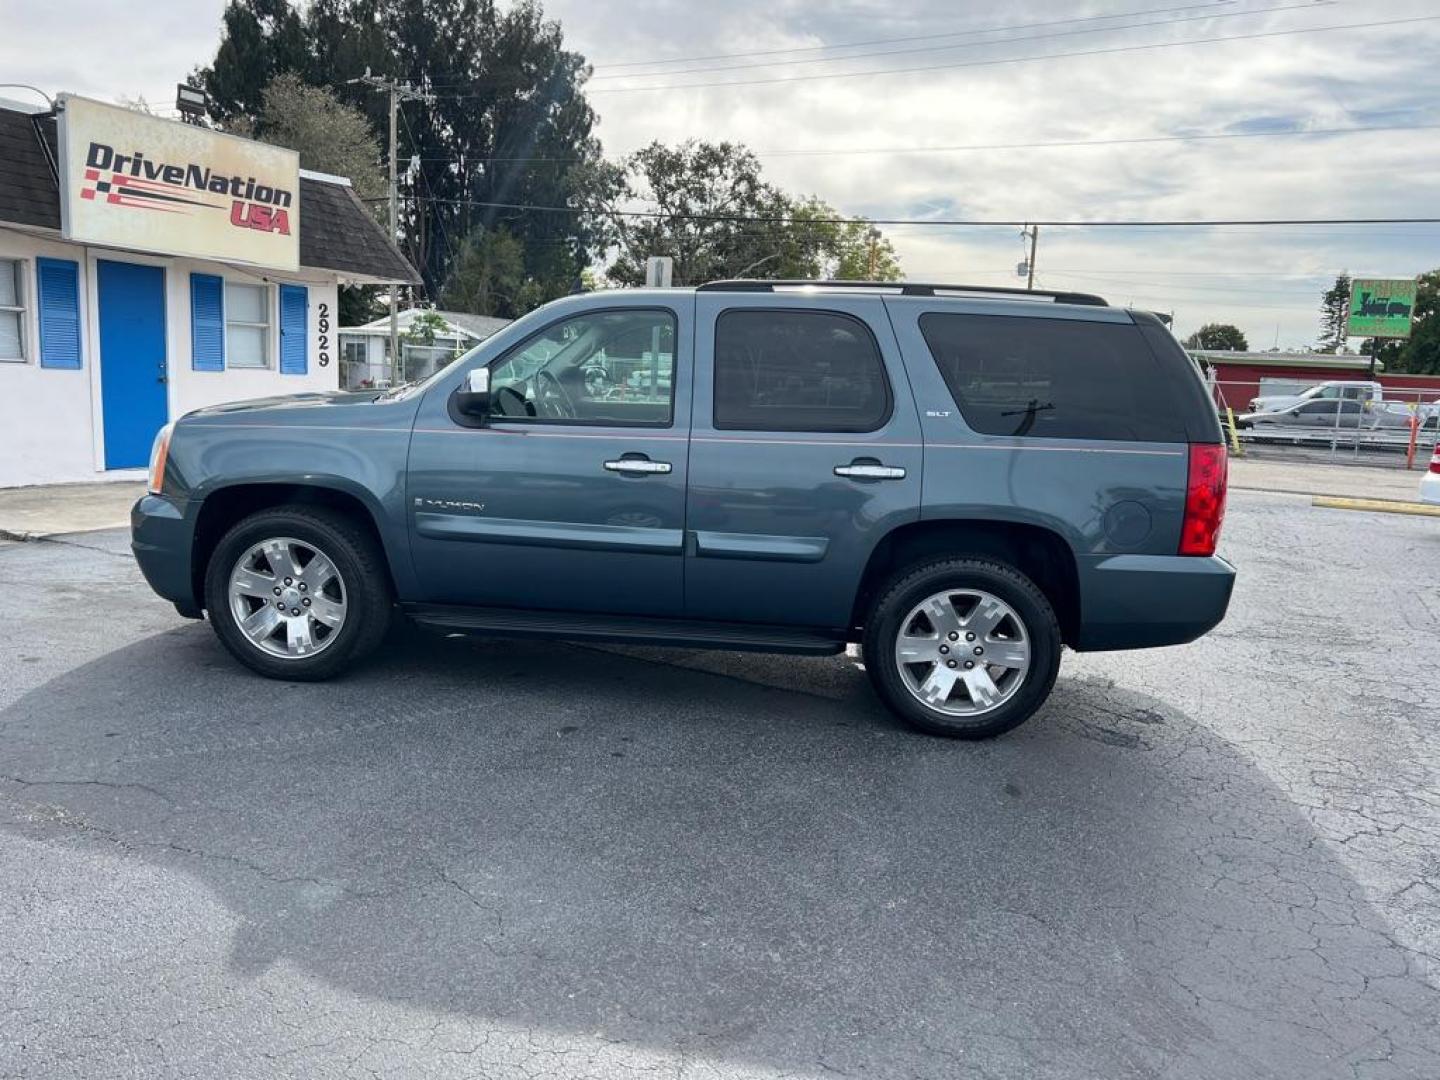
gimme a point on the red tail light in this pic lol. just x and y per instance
(1435, 459)
(1204, 500)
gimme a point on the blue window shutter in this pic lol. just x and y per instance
(59, 313)
(294, 346)
(207, 322)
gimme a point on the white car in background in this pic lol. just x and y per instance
(1430, 482)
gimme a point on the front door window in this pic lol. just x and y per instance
(606, 367)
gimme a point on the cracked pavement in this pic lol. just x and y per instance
(1219, 860)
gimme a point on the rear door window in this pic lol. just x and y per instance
(1053, 378)
(798, 371)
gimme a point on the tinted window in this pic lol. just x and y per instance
(1325, 407)
(1054, 378)
(798, 371)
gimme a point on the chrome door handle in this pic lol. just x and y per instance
(638, 467)
(871, 472)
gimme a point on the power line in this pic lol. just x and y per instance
(1068, 143)
(1009, 60)
(990, 222)
(1309, 5)
(897, 40)
(396, 92)
(439, 218)
(971, 147)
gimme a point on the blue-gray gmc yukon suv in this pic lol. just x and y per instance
(958, 479)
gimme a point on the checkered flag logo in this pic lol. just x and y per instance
(94, 187)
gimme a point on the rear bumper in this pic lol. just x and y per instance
(161, 536)
(1141, 601)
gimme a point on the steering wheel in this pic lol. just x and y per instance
(551, 396)
(597, 381)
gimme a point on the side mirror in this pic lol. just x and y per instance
(473, 398)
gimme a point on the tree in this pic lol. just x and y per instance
(508, 126)
(423, 328)
(1218, 336)
(488, 275)
(1420, 353)
(717, 217)
(837, 248)
(1334, 310)
(331, 137)
(261, 39)
(358, 305)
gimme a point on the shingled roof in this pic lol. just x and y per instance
(28, 191)
(336, 231)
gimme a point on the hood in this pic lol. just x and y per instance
(288, 402)
(1271, 401)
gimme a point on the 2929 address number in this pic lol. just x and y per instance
(323, 326)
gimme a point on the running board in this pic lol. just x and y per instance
(633, 630)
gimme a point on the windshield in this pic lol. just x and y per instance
(410, 389)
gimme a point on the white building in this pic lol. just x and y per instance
(365, 349)
(148, 268)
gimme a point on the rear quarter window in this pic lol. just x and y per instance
(1055, 378)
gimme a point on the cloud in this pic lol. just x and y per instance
(1267, 281)
(1259, 279)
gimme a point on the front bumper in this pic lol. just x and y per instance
(161, 536)
(1141, 601)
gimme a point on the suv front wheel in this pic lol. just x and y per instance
(298, 592)
(964, 647)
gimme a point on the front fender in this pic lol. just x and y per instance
(366, 463)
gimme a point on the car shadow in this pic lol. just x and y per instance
(733, 859)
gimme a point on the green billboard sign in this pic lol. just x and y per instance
(1381, 307)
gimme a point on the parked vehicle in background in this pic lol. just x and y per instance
(1397, 414)
(1322, 414)
(1340, 390)
(962, 479)
(1430, 482)
(1313, 413)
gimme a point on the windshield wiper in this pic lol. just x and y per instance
(1029, 412)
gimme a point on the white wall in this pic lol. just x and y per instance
(50, 420)
(44, 413)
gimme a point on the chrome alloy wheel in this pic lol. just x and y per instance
(287, 598)
(963, 652)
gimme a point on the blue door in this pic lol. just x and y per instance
(132, 360)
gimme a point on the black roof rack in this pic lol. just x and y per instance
(905, 288)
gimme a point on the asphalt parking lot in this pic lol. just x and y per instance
(491, 859)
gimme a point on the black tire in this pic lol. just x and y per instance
(910, 586)
(361, 566)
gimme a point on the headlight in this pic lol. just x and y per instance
(158, 453)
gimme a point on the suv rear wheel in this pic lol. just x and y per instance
(298, 592)
(967, 648)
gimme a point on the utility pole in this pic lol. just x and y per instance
(398, 92)
(1033, 233)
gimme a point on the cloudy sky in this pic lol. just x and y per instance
(812, 85)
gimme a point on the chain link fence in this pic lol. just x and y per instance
(1393, 423)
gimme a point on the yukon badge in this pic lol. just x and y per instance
(450, 504)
